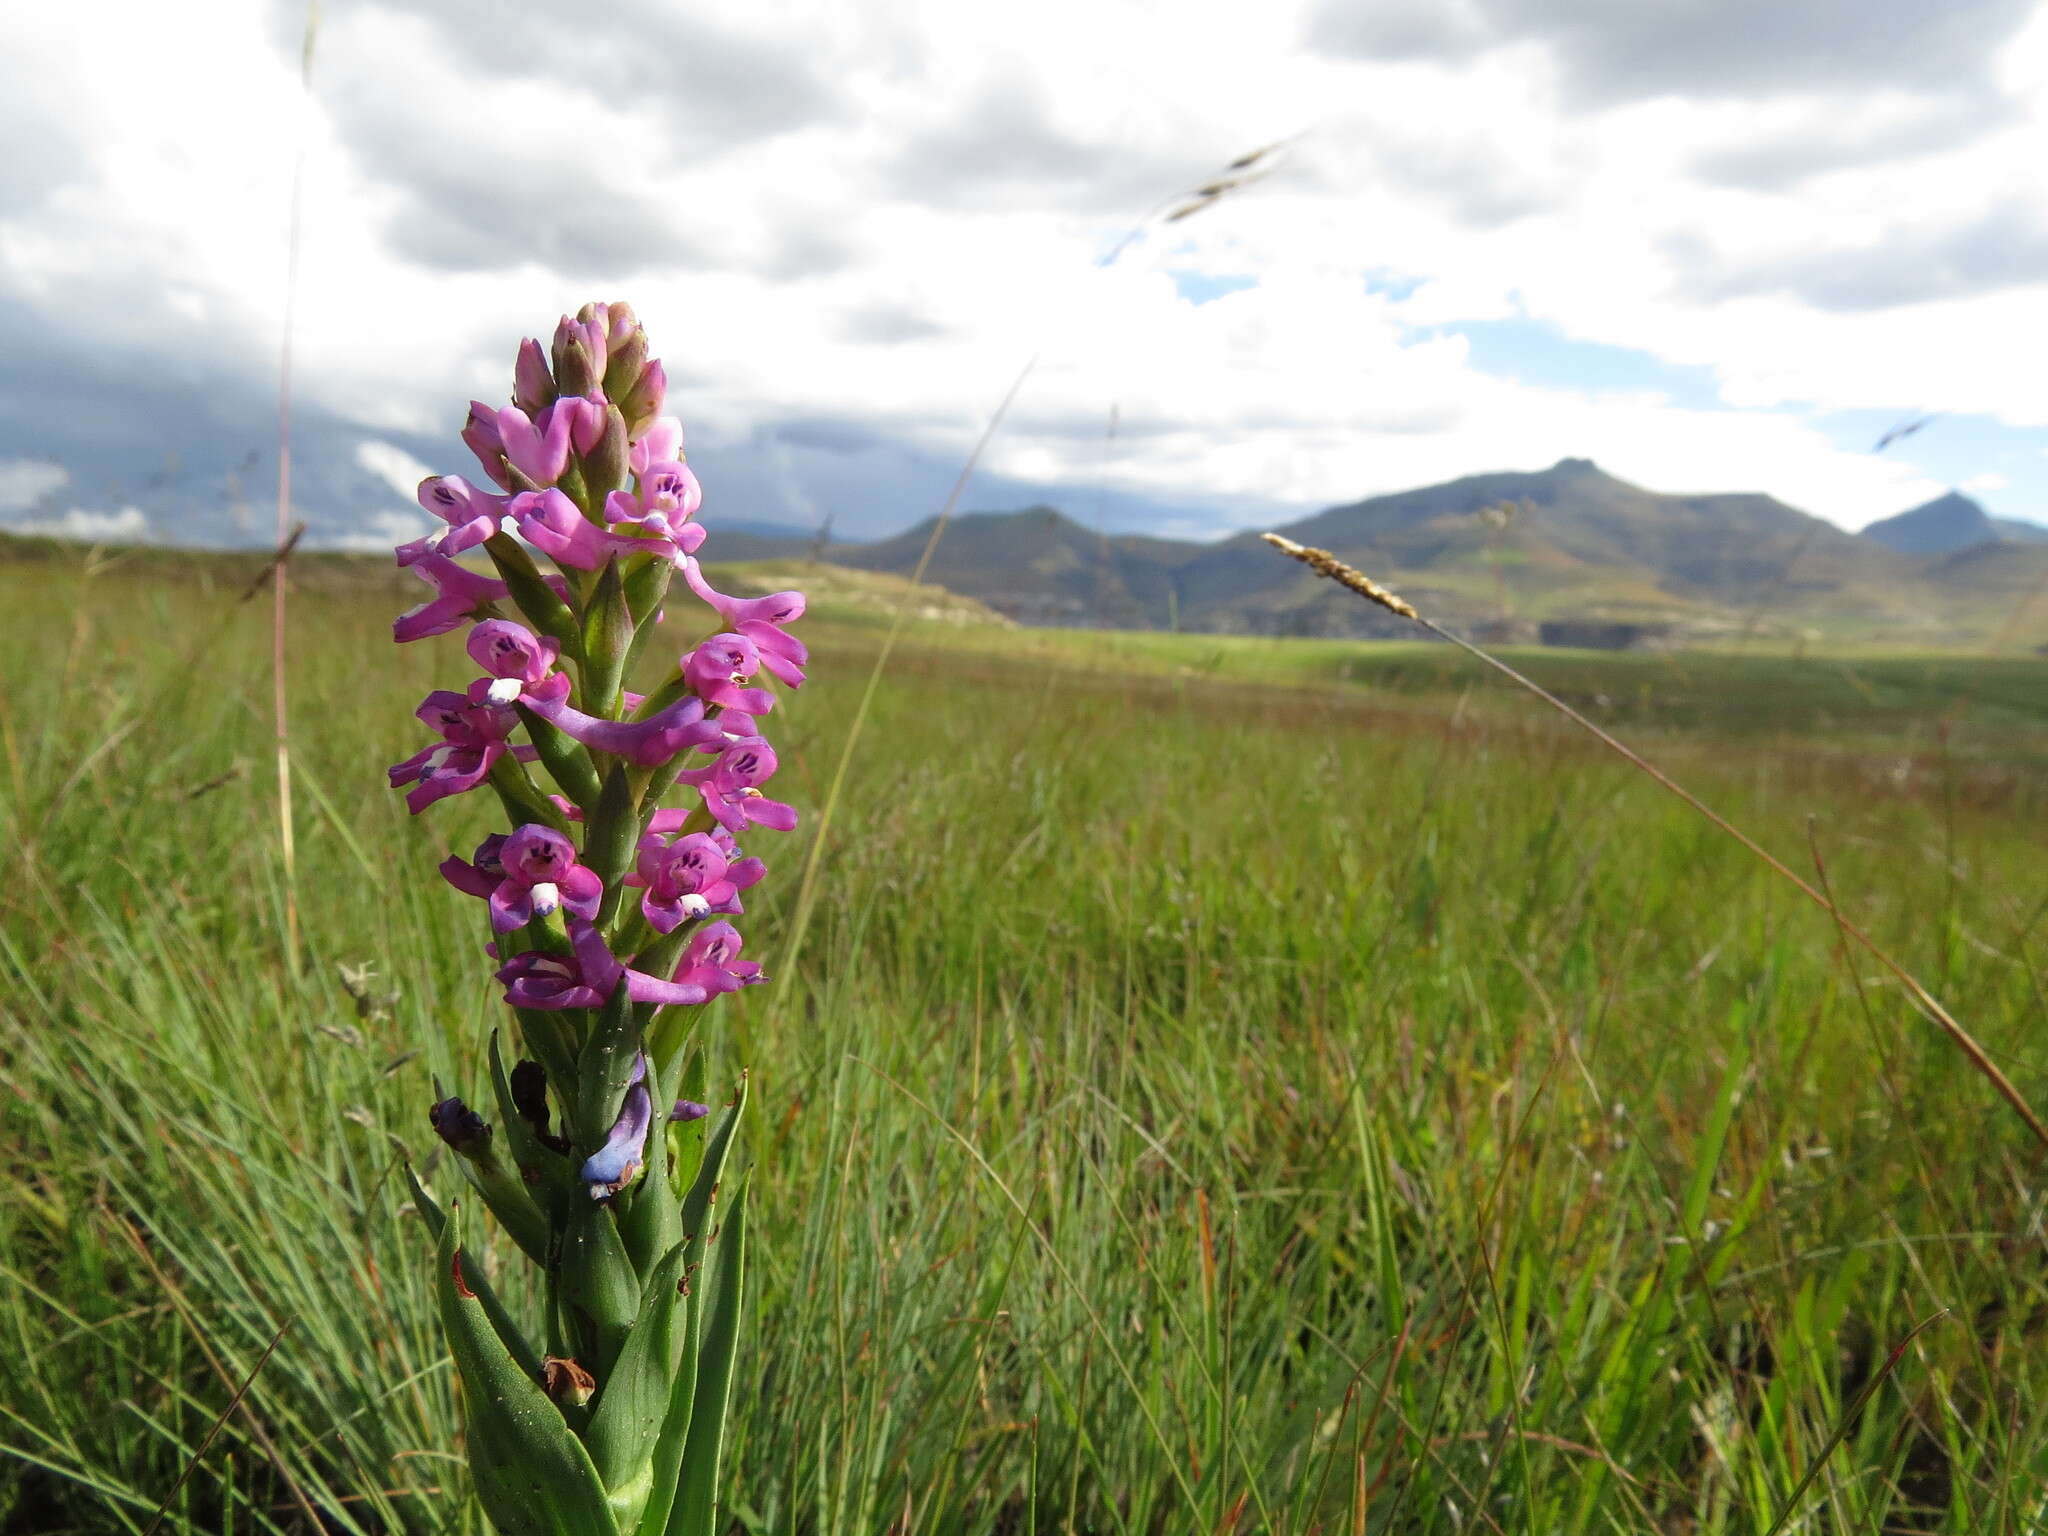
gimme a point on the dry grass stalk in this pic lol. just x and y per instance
(286, 537)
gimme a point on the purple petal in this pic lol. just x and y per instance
(648, 742)
(466, 877)
(643, 988)
(772, 814)
(601, 970)
(511, 905)
(617, 1163)
(437, 616)
(582, 892)
(661, 443)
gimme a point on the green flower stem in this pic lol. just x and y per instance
(567, 761)
(543, 607)
(521, 798)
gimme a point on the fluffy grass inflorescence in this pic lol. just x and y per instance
(1231, 1102)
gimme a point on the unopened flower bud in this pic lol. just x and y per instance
(604, 466)
(625, 361)
(533, 387)
(620, 319)
(689, 1109)
(461, 1127)
(579, 367)
(643, 402)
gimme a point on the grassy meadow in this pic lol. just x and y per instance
(1221, 1086)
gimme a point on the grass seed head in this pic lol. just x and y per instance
(1323, 563)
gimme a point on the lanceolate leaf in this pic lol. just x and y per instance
(676, 1430)
(599, 1289)
(635, 1401)
(697, 1492)
(508, 1331)
(667, 1461)
(697, 1203)
(604, 1069)
(532, 1474)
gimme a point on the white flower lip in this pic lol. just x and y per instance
(504, 690)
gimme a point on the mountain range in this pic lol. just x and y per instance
(1569, 553)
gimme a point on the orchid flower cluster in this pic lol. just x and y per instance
(610, 915)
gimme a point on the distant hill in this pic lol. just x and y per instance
(1041, 567)
(1947, 524)
(2015, 530)
(1939, 527)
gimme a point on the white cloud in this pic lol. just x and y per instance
(1990, 480)
(378, 532)
(393, 465)
(917, 205)
(127, 525)
(24, 482)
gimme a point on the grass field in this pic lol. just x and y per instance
(1224, 1086)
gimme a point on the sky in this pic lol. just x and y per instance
(1713, 245)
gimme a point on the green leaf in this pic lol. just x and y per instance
(505, 1193)
(669, 692)
(634, 1405)
(724, 1296)
(689, 1135)
(646, 585)
(607, 637)
(666, 1464)
(703, 1335)
(532, 1475)
(600, 1289)
(697, 1203)
(522, 800)
(509, 1333)
(1713, 1136)
(613, 835)
(550, 1036)
(603, 1070)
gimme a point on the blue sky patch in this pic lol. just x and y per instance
(1536, 353)
(1206, 288)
